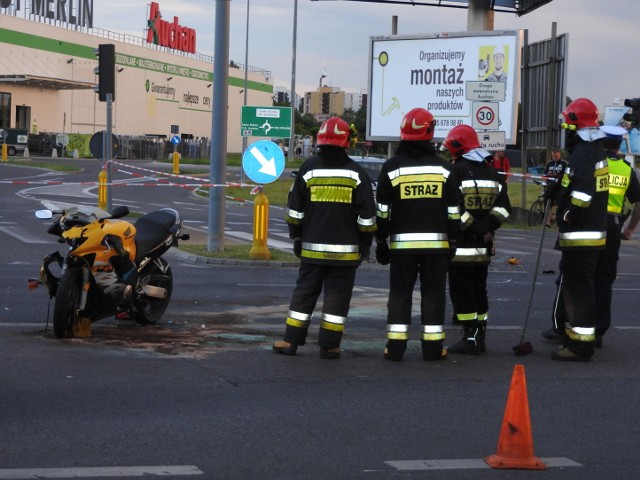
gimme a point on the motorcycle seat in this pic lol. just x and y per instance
(152, 229)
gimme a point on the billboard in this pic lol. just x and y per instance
(469, 77)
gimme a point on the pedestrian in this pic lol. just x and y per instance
(553, 172)
(501, 163)
(556, 166)
(582, 227)
(418, 211)
(623, 184)
(485, 207)
(331, 216)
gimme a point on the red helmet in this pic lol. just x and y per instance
(461, 139)
(418, 124)
(334, 131)
(581, 113)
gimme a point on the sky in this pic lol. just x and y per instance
(333, 36)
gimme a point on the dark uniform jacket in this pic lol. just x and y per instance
(417, 201)
(485, 207)
(331, 208)
(582, 200)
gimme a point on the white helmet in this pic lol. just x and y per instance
(499, 50)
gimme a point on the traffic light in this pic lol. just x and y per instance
(106, 71)
(634, 116)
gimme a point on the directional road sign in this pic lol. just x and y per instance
(175, 139)
(95, 144)
(486, 91)
(263, 161)
(62, 139)
(273, 122)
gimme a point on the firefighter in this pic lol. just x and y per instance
(582, 227)
(418, 211)
(331, 217)
(623, 184)
(485, 207)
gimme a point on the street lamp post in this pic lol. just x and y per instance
(292, 139)
(246, 73)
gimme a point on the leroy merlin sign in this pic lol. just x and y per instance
(265, 122)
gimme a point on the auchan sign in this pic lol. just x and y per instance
(169, 34)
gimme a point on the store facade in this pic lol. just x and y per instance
(47, 78)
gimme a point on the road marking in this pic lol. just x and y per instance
(22, 235)
(89, 472)
(468, 464)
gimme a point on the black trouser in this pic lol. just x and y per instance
(605, 275)
(337, 283)
(404, 272)
(468, 291)
(577, 293)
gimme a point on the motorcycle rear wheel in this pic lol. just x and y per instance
(65, 308)
(148, 310)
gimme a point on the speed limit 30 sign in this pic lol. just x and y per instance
(485, 115)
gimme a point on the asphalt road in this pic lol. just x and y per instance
(201, 395)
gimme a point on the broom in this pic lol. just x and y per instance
(524, 348)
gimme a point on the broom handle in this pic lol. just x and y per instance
(547, 212)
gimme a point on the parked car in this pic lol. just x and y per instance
(371, 165)
(16, 140)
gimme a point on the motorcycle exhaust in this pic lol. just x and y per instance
(153, 291)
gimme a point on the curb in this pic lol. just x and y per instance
(201, 260)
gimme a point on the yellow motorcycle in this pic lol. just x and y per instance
(112, 266)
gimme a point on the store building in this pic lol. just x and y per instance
(47, 75)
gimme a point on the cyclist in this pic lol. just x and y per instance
(553, 171)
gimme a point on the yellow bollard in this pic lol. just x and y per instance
(5, 151)
(259, 250)
(102, 189)
(176, 163)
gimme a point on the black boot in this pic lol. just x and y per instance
(468, 345)
(395, 350)
(433, 350)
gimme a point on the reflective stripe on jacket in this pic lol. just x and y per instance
(331, 208)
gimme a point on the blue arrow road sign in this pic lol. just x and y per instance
(263, 161)
(175, 139)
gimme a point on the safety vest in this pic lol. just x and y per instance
(619, 180)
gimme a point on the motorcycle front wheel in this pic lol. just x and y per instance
(65, 308)
(148, 309)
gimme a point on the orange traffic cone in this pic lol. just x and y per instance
(515, 445)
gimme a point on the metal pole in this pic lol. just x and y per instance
(106, 146)
(552, 120)
(292, 139)
(524, 112)
(246, 73)
(217, 159)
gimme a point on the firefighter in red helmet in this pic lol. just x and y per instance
(418, 212)
(331, 218)
(485, 207)
(582, 227)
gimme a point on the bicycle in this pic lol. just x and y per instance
(537, 209)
